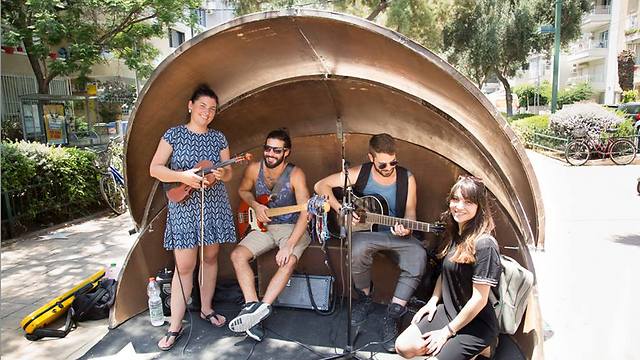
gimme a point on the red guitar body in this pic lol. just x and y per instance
(247, 219)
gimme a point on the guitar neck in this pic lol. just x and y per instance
(285, 210)
(219, 165)
(390, 221)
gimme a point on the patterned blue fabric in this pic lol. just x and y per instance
(284, 197)
(183, 219)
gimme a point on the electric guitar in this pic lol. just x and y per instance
(373, 210)
(248, 221)
(179, 192)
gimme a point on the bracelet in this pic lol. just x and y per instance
(453, 333)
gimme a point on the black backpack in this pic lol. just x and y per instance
(95, 304)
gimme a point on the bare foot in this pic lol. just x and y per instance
(216, 319)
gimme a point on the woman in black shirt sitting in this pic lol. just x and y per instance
(458, 322)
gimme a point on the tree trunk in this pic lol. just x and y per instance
(382, 6)
(507, 91)
(36, 66)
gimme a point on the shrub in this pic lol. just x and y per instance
(590, 118)
(66, 179)
(625, 128)
(529, 94)
(520, 116)
(574, 94)
(629, 96)
(525, 127)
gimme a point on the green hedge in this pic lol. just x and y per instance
(527, 126)
(57, 183)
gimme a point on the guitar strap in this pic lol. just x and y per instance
(402, 186)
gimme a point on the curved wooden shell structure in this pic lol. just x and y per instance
(331, 79)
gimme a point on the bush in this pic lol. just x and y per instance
(625, 128)
(529, 93)
(574, 94)
(525, 127)
(66, 179)
(590, 118)
(520, 116)
(629, 96)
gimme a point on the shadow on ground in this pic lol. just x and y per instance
(633, 240)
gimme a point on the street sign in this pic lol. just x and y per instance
(546, 29)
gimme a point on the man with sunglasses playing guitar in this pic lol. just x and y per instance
(286, 185)
(382, 176)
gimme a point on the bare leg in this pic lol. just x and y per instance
(279, 280)
(208, 285)
(241, 258)
(410, 343)
(182, 281)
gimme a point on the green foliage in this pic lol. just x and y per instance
(486, 37)
(626, 62)
(66, 180)
(117, 91)
(625, 128)
(525, 127)
(521, 116)
(87, 29)
(574, 94)
(530, 94)
(630, 96)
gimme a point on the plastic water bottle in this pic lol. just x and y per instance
(111, 272)
(155, 303)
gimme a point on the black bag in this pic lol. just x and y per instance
(95, 304)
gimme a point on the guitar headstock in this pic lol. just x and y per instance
(242, 157)
(318, 205)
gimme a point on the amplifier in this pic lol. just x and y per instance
(296, 292)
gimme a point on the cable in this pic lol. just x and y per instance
(253, 347)
(297, 342)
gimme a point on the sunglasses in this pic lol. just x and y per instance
(383, 165)
(276, 149)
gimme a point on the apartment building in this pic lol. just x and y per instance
(610, 27)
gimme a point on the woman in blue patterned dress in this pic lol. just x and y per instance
(185, 146)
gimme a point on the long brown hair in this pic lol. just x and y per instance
(474, 190)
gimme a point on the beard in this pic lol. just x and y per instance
(274, 165)
(383, 174)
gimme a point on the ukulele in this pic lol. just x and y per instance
(179, 192)
(248, 221)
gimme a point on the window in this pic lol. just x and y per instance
(175, 38)
(201, 16)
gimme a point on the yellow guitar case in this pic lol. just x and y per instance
(34, 324)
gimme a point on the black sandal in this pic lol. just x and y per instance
(214, 314)
(176, 336)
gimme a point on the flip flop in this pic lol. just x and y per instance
(176, 336)
(212, 314)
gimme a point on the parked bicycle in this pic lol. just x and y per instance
(112, 185)
(620, 150)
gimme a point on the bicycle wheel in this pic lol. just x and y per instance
(577, 153)
(113, 194)
(622, 152)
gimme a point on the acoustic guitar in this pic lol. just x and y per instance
(179, 192)
(248, 221)
(373, 210)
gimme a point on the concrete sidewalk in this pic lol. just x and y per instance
(39, 267)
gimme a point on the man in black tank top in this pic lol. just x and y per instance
(285, 184)
(397, 186)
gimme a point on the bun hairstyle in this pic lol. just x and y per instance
(204, 90)
(474, 190)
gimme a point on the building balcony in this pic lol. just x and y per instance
(599, 16)
(595, 80)
(632, 29)
(636, 74)
(587, 50)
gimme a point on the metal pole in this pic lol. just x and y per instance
(556, 58)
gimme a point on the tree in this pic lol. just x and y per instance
(626, 63)
(495, 37)
(420, 20)
(85, 30)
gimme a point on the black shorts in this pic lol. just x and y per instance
(468, 342)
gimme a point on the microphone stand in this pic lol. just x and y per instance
(346, 213)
